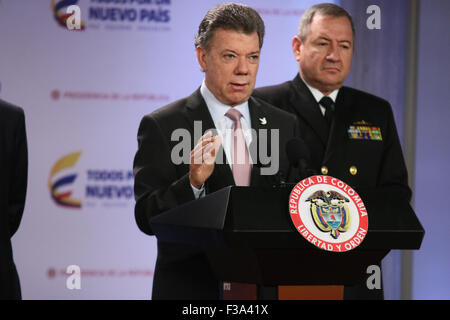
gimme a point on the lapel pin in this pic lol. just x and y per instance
(263, 121)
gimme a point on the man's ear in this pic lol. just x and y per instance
(201, 57)
(296, 47)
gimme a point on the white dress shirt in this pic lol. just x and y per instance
(224, 125)
(318, 95)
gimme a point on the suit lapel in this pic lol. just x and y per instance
(338, 127)
(259, 121)
(196, 110)
(307, 108)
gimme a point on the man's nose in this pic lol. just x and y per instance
(334, 54)
(242, 66)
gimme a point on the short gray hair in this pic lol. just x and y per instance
(322, 9)
(229, 16)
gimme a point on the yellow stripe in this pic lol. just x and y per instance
(63, 163)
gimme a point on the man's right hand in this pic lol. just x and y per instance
(203, 158)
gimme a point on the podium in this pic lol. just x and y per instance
(248, 236)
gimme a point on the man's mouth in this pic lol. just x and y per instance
(332, 69)
(239, 85)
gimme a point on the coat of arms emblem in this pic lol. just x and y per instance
(330, 212)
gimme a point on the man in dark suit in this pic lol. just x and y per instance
(228, 46)
(351, 134)
(13, 186)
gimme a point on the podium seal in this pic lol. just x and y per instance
(328, 213)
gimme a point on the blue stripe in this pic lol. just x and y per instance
(63, 181)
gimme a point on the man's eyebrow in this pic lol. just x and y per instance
(234, 52)
(340, 41)
(229, 50)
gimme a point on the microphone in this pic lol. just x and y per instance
(276, 179)
(299, 157)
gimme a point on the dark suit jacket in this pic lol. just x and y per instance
(379, 164)
(182, 271)
(13, 185)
